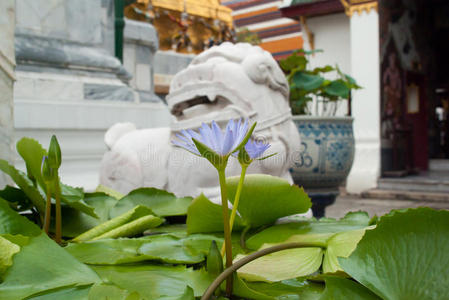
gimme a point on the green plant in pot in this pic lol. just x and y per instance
(317, 96)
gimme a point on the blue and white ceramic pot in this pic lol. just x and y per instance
(326, 153)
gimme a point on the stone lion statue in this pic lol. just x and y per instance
(230, 81)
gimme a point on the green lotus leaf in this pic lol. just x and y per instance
(25, 184)
(108, 191)
(13, 223)
(132, 228)
(161, 202)
(32, 153)
(266, 198)
(341, 245)
(68, 293)
(205, 216)
(9, 249)
(74, 197)
(342, 289)
(285, 264)
(113, 224)
(308, 231)
(40, 266)
(166, 248)
(241, 289)
(16, 198)
(108, 291)
(405, 256)
(187, 295)
(155, 281)
(291, 289)
(75, 222)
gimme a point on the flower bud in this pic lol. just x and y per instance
(214, 261)
(54, 153)
(48, 173)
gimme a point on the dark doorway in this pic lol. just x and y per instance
(414, 41)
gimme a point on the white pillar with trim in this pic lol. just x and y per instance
(365, 67)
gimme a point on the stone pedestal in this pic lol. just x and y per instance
(7, 65)
(70, 84)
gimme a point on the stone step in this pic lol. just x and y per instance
(439, 165)
(433, 184)
(441, 197)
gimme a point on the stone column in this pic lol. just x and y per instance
(140, 45)
(7, 66)
(365, 66)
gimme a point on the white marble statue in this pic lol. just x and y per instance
(229, 81)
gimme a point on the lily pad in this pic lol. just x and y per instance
(203, 216)
(405, 256)
(42, 265)
(166, 248)
(286, 264)
(13, 223)
(108, 291)
(265, 198)
(341, 245)
(155, 281)
(342, 289)
(69, 293)
(16, 197)
(75, 222)
(25, 184)
(161, 202)
(74, 197)
(9, 249)
(132, 222)
(108, 191)
(32, 153)
(291, 289)
(308, 231)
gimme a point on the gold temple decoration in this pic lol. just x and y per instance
(310, 34)
(352, 6)
(186, 26)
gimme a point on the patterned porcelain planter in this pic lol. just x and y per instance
(327, 151)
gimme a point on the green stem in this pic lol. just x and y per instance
(243, 237)
(236, 201)
(226, 227)
(47, 210)
(241, 262)
(237, 195)
(58, 236)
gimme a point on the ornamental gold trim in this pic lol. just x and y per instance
(359, 6)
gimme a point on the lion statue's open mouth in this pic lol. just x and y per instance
(230, 81)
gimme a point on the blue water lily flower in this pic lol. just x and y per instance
(222, 143)
(255, 149)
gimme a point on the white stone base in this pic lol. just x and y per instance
(47, 104)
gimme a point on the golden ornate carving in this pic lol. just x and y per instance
(352, 6)
(310, 34)
(186, 26)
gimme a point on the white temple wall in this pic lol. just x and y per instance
(332, 35)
